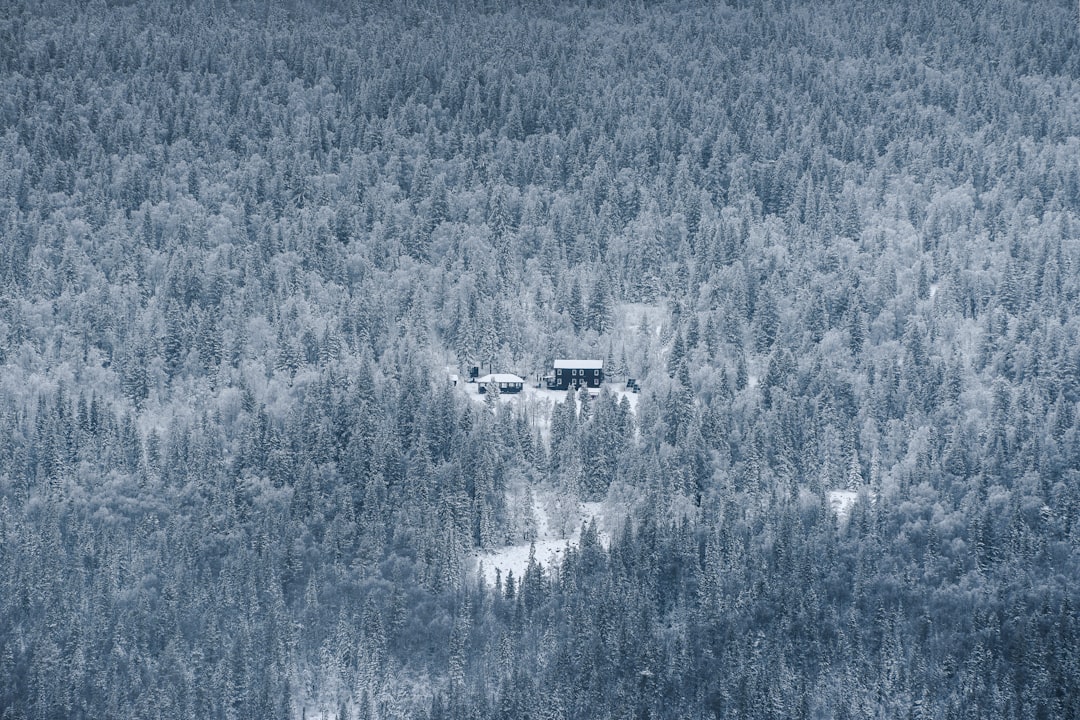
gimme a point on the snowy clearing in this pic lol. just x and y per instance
(539, 402)
(841, 501)
(550, 543)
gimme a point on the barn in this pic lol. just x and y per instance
(505, 382)
(576, 373)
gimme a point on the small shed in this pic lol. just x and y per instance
(576, 373)
(505, 382)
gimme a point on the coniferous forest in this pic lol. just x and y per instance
(244, 245)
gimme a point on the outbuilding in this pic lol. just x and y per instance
(505, 382)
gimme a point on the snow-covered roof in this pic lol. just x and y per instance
(500, 378)
(561, 364)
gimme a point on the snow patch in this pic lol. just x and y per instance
(631, 397)
(550, 545)
(515, 559)
(840, 501)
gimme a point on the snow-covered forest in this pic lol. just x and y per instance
(244, 248)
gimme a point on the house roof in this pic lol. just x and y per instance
(500, 378)
(561, 364)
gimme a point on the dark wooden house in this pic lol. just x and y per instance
(576, 373)
(505, 382)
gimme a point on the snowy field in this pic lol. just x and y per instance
(550, 544)
(840, 501)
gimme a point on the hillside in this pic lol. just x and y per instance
(242, 249)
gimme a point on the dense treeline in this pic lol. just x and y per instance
(839, 243)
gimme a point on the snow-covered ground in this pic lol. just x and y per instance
(841, 501)
(557, 518)
(539, 402)
(550, 543)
